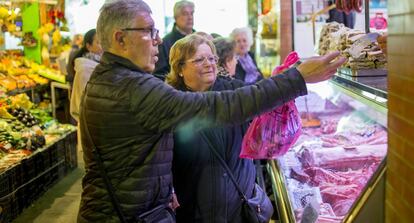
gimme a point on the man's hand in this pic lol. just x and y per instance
(317, 69)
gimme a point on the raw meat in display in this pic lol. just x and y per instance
(332, 193)
(326, 210)
(326, 219)
(342, 207)
(372, 136)
(341, 197)
(329, 126)
(319, 175)
(299, 175)
(340, 158)
(301, 197)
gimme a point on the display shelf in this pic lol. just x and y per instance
(373, 88)
(334, 168)
(25, 181)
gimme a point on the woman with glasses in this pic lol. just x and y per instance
(246, 69)
(203, 189)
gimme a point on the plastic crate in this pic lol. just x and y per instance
(28, 169)
(6, 209)
(9, 209)
(71, 155)
(53, 154)
(22, 184)
(5, 183)
(45, 163)
(10, 180)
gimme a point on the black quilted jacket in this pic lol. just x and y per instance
(130, 116)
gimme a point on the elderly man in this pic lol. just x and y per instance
(127, 116)
(184, 21)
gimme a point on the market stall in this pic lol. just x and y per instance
(35, 149)
(35, 152)
(338, 161)
(335, 171)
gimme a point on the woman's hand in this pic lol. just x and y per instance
(317, 69)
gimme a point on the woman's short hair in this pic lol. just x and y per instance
(180, 5)
(205, 35)
(181, 51)
(225, 49)
(117, 15)
(243, 30)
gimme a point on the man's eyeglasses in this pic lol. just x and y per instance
(201, 60)
(154, 32)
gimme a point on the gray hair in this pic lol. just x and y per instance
(117, 14)
(244, 30)
(180, 5)
(225, 49)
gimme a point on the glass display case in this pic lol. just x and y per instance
(333, 172)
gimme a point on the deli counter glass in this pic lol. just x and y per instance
(338, 163)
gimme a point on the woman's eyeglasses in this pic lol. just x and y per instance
(153, 31)
(201, 60)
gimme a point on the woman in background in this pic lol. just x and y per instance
(246, 69)
(227, 56)
(84, 62)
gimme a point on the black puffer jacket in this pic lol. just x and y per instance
(203, 188)
(130, 115)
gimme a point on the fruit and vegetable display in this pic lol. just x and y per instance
(24, 129)
(17, 72)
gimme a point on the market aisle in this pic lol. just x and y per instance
(60, 203)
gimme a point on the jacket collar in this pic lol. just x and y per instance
(178, 31)
(113, 59)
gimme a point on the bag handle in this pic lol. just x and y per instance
(108, 184)
(223, 163)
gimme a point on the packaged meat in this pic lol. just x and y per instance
(302, 196)
(340, 158)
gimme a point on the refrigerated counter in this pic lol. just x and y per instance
(335, 171)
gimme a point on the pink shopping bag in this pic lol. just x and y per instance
(271, 134)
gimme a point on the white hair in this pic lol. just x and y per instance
(243, 30)
(117, 14)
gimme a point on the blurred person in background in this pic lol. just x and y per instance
(84, 62)
(184, 22)
(76, 45)
(204, 192)
(246, 68)
(226, 53)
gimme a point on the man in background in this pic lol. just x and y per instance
(184, 22)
